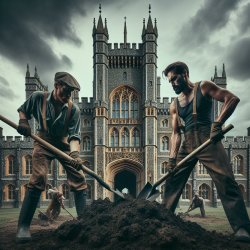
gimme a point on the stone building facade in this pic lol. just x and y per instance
(125, 128)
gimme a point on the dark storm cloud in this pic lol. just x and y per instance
(26, 26)
(211, 17)
(244, 19)
(5, 89)
(238, 59)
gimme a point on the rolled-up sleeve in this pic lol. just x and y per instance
(29, 105)
(75, 125)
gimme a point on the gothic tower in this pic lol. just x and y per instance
(100, 70)
(32, 84)
(149, 61)
(221, 81)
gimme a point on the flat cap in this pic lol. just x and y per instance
(68, 79)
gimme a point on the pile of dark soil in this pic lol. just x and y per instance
(131, 225)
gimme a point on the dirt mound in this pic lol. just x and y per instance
(130, 225)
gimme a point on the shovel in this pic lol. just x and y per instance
(66, 157)
(149, 192)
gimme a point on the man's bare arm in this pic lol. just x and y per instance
(175, 140)
(74, 145)
(22, 115)
(230, 101)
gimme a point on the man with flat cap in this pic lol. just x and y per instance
(58, 120)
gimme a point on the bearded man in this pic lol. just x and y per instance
(191, 112)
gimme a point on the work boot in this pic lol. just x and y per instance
(80, 202)
(28, 209)
(242, 235)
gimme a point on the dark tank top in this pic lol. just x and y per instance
(203, 107)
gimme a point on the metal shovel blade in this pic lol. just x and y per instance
(154, 196)
(145, 192)
(117, 192)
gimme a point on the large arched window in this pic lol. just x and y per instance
(164, 143)
(114, 138)
(238, 164)
(65, 191)
(135, 138)
(10, 161)
(204, 191)
(86, 123)
(164, 123)
(125, 106)
(116, 107)
(201, 169)
(86, 143)
(125, 103)
(134, 107)
(28, 164)
(186, 193)
(125, 137)
(11, 192)
(164, 168)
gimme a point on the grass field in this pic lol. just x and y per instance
(215, 217)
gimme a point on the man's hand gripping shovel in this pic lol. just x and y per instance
(66, 157)
(149, 192)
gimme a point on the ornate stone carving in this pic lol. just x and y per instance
(135, 156)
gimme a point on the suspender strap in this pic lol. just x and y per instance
(177, 113)
(70, 104)
(44, 111)
(194, 104)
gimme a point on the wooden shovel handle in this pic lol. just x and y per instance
(58, 152)
(190, 156)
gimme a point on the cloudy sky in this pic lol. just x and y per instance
(56, 35)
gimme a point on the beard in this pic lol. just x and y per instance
(181, 86)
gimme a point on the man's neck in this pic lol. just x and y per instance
(55, 100)
(188, 90)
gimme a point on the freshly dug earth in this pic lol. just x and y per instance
(130, 225)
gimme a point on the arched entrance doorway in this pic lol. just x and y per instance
(126, 180)
(125, 174)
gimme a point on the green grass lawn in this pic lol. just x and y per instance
(215, 220)
(8, 214)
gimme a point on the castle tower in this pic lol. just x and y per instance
(100, 97)
(149, 61)
(32, 84)
(221, 81)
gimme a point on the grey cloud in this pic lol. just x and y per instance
(212, 16)
(243, 19)
(26, 26)
(6, 91)
(238, 59)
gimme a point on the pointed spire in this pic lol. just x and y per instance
(155, 28)
(215, 72)
(224, 71)
(106, 28)
(125, 32)
(36, 74)
(100, 28)
(28, 71)
(94, 27)
(150, 28)
(143, 28)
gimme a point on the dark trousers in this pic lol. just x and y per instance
(41, 159)
(216, 161)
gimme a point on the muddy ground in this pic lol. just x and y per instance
(126, 225)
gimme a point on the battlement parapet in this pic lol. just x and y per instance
(86, 102)
(236, 141)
